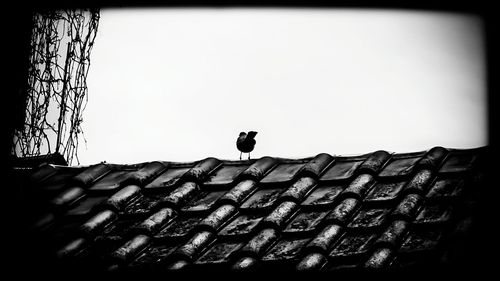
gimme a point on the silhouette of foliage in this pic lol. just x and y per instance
(61, 43)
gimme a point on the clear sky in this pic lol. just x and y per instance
(180, 84)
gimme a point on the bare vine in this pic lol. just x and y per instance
(61, 43)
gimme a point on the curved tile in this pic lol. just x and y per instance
(313, 261)
(132, 247)
(374, 162)
(317, 165)
(420, 182)
(393, 234)
(157, 220)
(181, 194)
(179, 265)
(218, 217)
(380, 258)
(72, 248)
(98, 222)
(191, 248)
(359, 186)
(280, 214)
(260, 242)
(239, 192)
(343, 211)
(408, 206)
(244, 264)
(146, 173)
(326, 238)
(120, 199)
(299, 189)
(201, 170)
(91, 174)
(433, 158)
(68, 196)
(259, 168)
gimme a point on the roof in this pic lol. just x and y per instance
(379, 210)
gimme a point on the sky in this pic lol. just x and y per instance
(180, 84)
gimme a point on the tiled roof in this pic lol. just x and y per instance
(373, 211)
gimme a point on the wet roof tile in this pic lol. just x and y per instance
(434, 213)
(385, 191)
(317, 165)
(91, 174)
(421, 240)
(446, 187)
(263, 198)
(203, 201)
(219, 253)
(369, 218)
(69, 196)
(323, 194)
(180, 227)
(305, 221)
(374, 162)
(458, 161)
(168, 179)
(57, 181)
(84, 206)
(375, 210)
(241, 225)
(111, 181)
(285, 249)
(153, 255)
(353, 244)
(341, 169)
(400, 165)
(226, 174)
(326, 238)
(282, 173)
(146, 173)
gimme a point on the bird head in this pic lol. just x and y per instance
(242, 134)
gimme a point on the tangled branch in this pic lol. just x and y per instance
(61, 43)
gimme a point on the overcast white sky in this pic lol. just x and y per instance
(180, 84)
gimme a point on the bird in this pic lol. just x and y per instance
(246, 142)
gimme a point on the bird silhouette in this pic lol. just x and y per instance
(246, 142)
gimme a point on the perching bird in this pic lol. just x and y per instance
(246, 142)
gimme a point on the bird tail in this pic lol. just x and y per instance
(251, 134)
